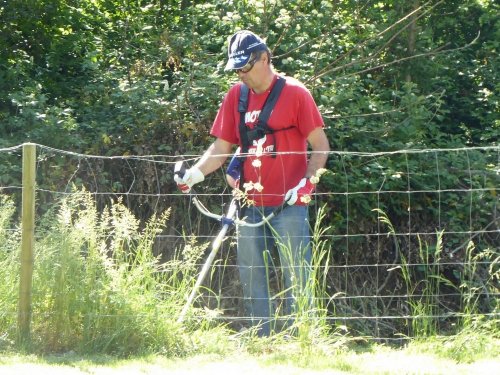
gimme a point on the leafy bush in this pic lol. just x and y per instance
(109, 78)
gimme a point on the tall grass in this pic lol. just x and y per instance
(477, 291)
(308, 322)
(97, 287)
(425, 307)
(10, 238)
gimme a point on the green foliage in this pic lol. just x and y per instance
(146, 78)
(108, 78)
(97, 286)
(9, 272)
(474, 281)
(477, 341)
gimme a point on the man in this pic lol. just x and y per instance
(275, 171)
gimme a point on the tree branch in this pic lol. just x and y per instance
(434, 52)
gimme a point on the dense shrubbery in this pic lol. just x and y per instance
(107, 78)
(110, 77)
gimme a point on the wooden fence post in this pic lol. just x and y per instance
(27, 242)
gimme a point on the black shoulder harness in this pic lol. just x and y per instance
(247, 136)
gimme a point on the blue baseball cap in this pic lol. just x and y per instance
(241, 46)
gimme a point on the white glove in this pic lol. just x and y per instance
(300, 194)
(191, 177)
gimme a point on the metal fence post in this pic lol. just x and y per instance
(27, 242)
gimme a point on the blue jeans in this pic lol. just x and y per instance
(289, 233)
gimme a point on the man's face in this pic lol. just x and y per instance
(252, 73)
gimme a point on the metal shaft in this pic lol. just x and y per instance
(206, 267)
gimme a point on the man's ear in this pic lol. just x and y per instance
(267, 58)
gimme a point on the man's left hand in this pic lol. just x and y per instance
(300, 194)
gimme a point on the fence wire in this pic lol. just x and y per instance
(377, 273)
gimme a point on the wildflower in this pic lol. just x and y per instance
(257, 163)
(259, 144)
(305, 199)
(248, 186)
(243, 197)
(321, 171)
(314, 180)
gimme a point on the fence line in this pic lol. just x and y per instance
(464, 185)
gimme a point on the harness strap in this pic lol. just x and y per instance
(271, 100)
(243, 100)
(261, 128)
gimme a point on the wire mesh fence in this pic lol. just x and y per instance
(409, 238)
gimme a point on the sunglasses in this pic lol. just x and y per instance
(249, 65)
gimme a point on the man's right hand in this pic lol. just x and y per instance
(191, 177)
(233, 172)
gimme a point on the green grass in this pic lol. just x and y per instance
(101, 298)
(424, 281)
(479, 341)
(267, 356)
(97, 287)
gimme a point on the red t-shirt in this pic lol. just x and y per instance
(272, 172)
